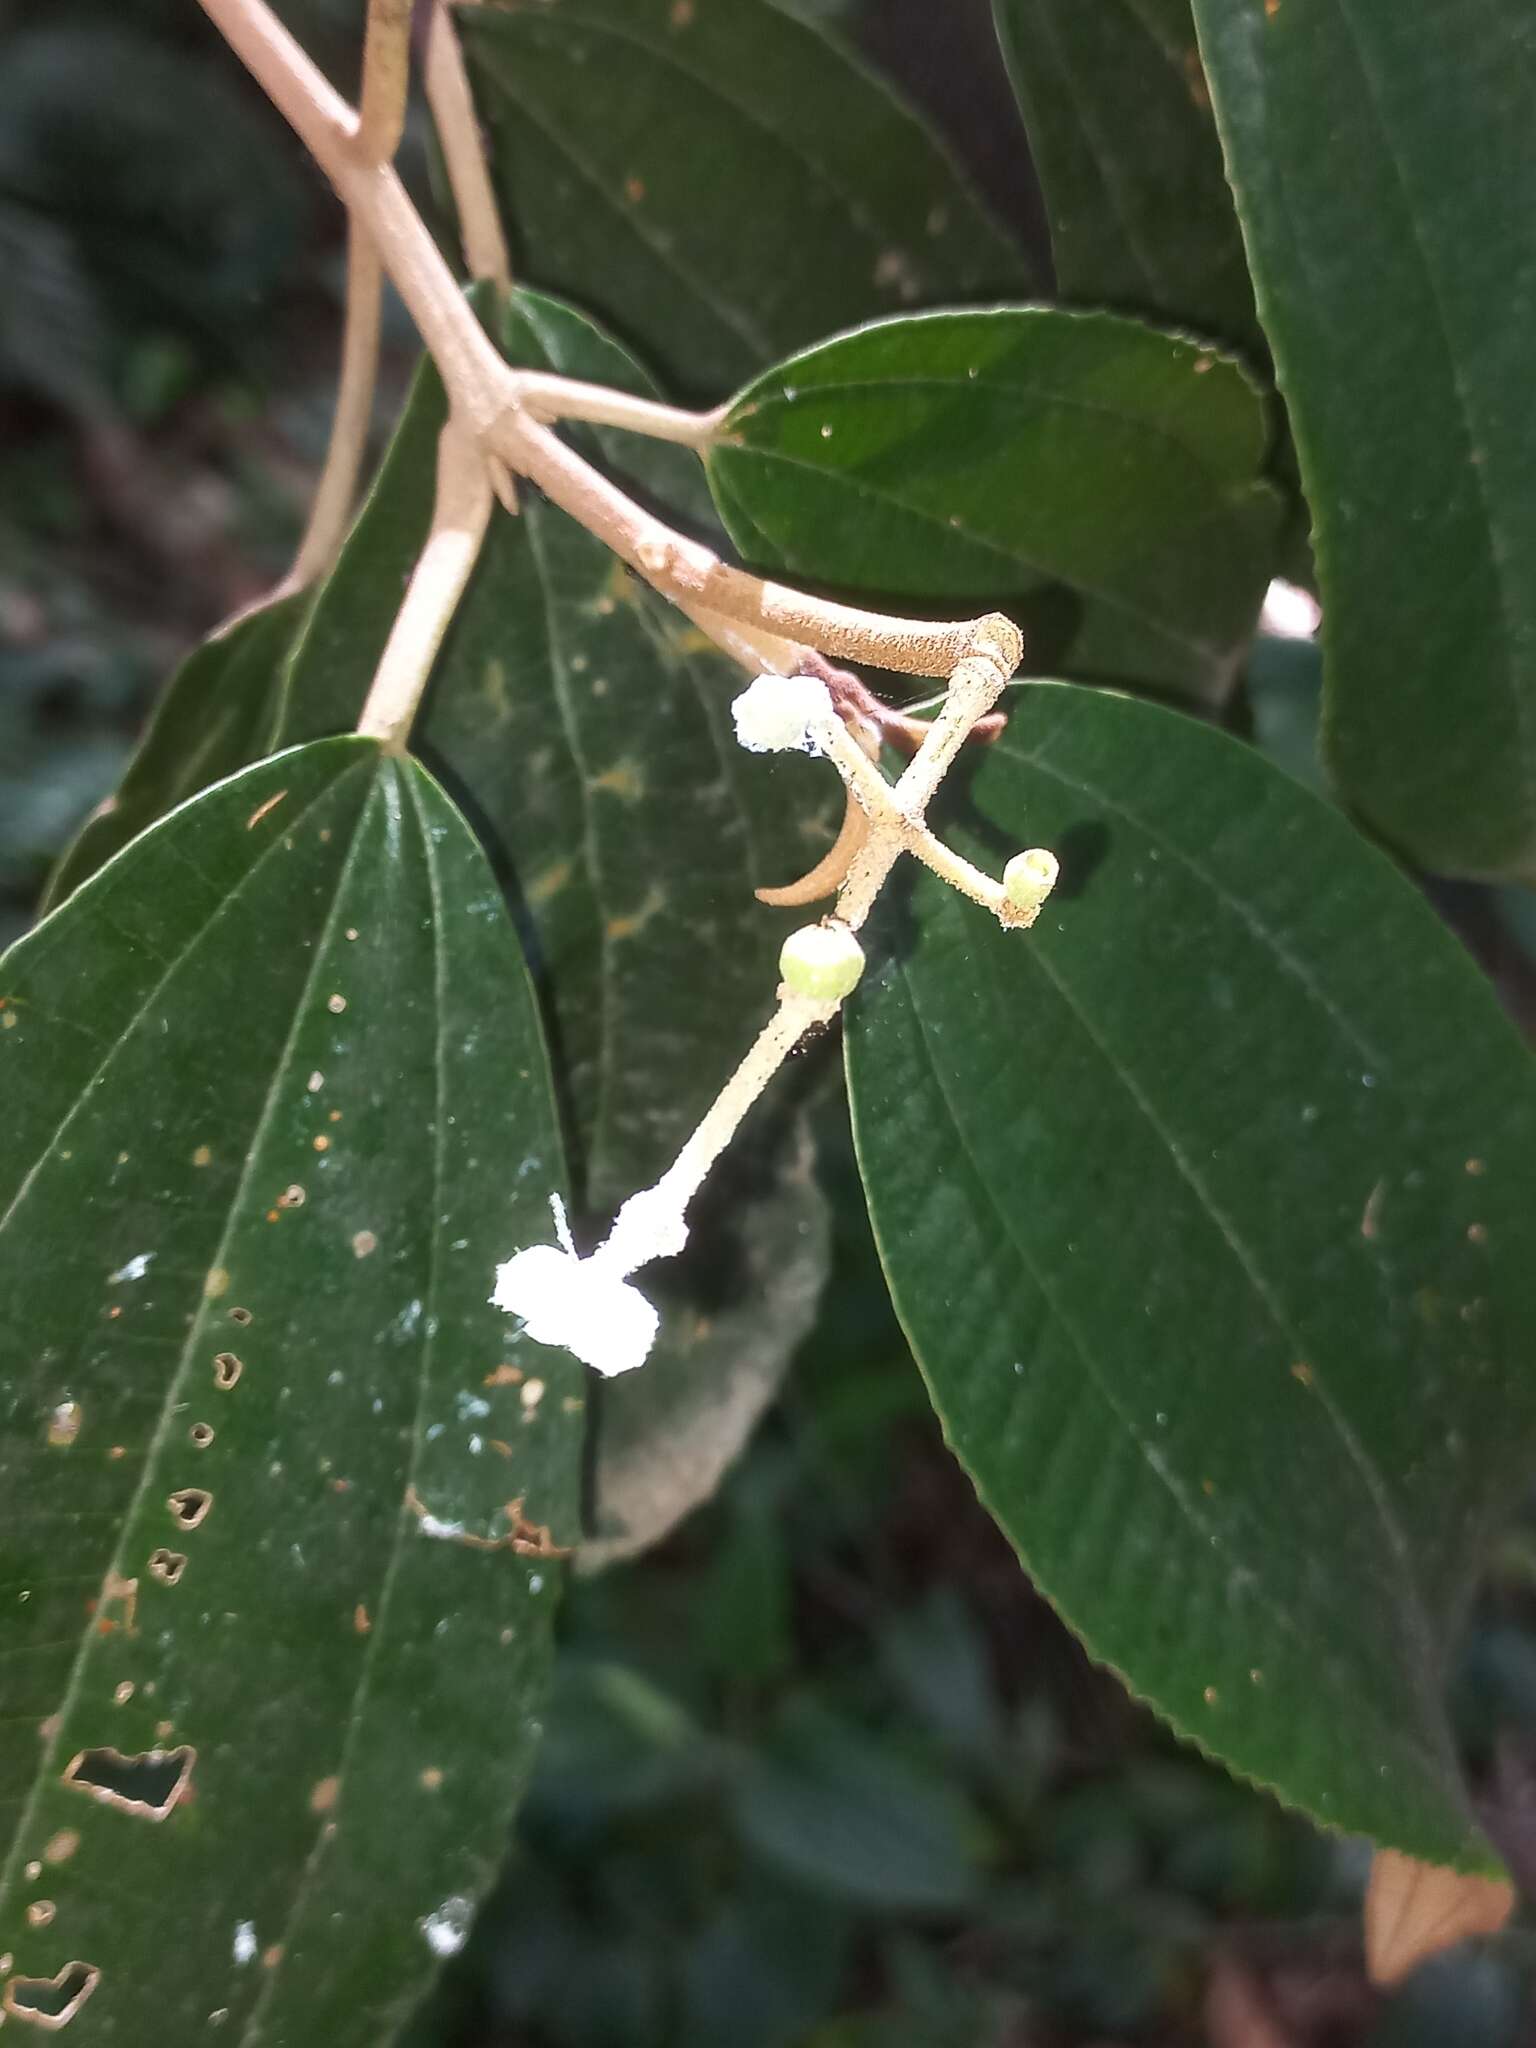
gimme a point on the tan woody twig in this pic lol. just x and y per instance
(386, 68)
(457, 125)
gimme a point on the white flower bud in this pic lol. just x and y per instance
(823, 961)
(1030, 877)
(775, 714)
(583, 1305)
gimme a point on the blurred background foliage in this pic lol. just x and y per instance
(822, 1770)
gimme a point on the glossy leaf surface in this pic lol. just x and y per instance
(1097, 480)
(279, 1106)
(1392, 235)
(1208, 1207)
(824, 202)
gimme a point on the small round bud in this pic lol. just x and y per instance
(1030, 877)
(823, 961)
(774, 715)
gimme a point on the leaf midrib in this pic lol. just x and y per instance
(404, 1529)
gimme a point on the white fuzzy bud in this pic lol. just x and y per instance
(822, 960)
(777, 714)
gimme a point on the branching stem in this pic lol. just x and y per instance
(651, 1224)
(504, 417)
(489, 396)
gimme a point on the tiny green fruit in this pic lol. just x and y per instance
(823, 961)
(1030, 877)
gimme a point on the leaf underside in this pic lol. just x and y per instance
(1208, 1207)
(281, 1104)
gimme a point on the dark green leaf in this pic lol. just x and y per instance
(1096, 479)
(212, 719)
(1123, 140)
(1210, 1209)
(1392, 235)
(721, 184)
(279, 1104)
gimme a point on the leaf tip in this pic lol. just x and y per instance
(1413, 1910)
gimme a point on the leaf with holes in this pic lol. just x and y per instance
(1210, 1209)
(587, 729)
(826, 200)
(1099, 481)
(1125, 144)
(274, 1613)
(1392, 235)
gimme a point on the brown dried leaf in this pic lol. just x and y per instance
(1413, 1910)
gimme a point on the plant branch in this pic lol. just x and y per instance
(754, 649)
(460, 514)
(386, 75)
(696, 579)
(386, 78)
(974, 689)
(567, 398)
(458, 133)
(488, 394)
(885, 810)
(651, 1224)
(330, 511)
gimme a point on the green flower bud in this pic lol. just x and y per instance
(823, 961)
(1030, 877)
